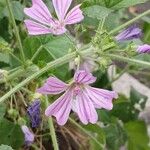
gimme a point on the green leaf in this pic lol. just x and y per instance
(113, 4)
(115, 136)
(17, 9)
(59, 46)
(137, 98)
(128, 3)
(2, 6)
(2, 110)
(5, 147)
(5, 58)
(4, 46)
(137, 134)
(11, 134)
(99, 134)
(97, 12)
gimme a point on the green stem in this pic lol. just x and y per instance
(36, 53)
(56, 63)
(65, 59)
(52, 129)
(129, 22)
(16, 30)
(129, 60)
(82, 129)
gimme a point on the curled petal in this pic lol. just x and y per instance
(36, 28)
(39, 12)
(85, 109)
(101, 98)
(143, 48)
(84, 77)
(61, 108)
(61, 8)
(75, 15)
(133, 32)
(29, 136)
(53, 86)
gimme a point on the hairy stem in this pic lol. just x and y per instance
(129, 22)
(65, 59)
(129, 60)
(16, 30)
(56, 63)
(36, 53)
(52, 129)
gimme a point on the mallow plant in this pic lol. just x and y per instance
(78, 100)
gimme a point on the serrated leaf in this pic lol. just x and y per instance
(11, 134)
(5, 147)
(97, 12)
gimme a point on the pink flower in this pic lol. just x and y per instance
(42, 21)
(144, 49)
(78, 96)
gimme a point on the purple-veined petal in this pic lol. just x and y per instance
(53, 86)
(85, 109)
(132, 32)
(143, 48)
(101, 98)
(39, 12)
(36, 28)
(61, 8)
(75, 15)
(61, 108)
(84, 77)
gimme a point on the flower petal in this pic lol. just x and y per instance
(39, 12)
(84, 77)
(74, 15)
(36, 28)
(53, 86)
(133, 32)
(143, 49)
(29, 136)
(61, 108)
(61, 8)
(85, 109)
(101, 98)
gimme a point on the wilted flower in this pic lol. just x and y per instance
(78, 96)
(44, 23)
(29, 136)
(133, 32)
(34, 113)
(143, 48)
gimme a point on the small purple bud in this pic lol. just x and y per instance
(29, 136)
(144, 49)
(33, 112)
(132, 32)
